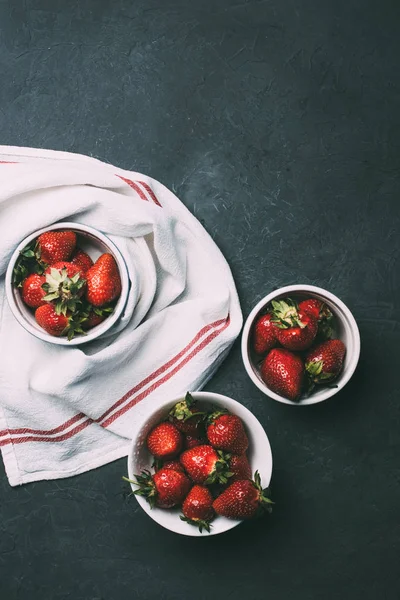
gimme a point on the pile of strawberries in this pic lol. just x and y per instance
(201, 465)
(297, 347)
(69, 293)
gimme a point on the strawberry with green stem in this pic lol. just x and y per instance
(166, 488)
(324, 362)
(205, 465)
(58, 324)
(65, 284)
(321, 312)
(295, 329)
(186, 416)
(197, 508)
(243, 499)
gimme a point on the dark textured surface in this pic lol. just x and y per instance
(277, 122)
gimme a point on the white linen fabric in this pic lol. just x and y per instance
(66, 410)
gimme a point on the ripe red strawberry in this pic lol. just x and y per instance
(186, 416)
(264, 334)
(226, 432)
(205, 465)
(165, 489)
(192, 442)
(319, 310)
(174, 465)
(65, 284)
(164, 441)
(32, 291)
(295, 330)
(56, 245)
(325, 361)
(81, 260)
(243, 499)
(197, 508)
(283, 373)
(57, 324)
(95, 316)
(239, 467)
(103, 281)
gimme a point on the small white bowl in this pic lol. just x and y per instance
(139, 458)
(94, 243)
(346, 329)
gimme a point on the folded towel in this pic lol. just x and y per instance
(65, 410)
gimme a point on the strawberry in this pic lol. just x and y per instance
(197, 508)
(174, 465)
(186, 416)
(32, 290)
(81, 260)
(319, 310)
(165, 489)
(264, 334)
(240, 467)
(226, 432)
(325, 361)
(295, 329)
(192, 442)
(65, 284)
(243, 499)
(103, 281)
(57, 324)
(53, 246)
(283, 372)
(164, 441)
(205, 465)
(95, 316)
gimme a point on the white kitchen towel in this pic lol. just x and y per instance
(64, 411)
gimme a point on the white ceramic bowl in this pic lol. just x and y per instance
(94, 243)
(346, 329)
(139, 458)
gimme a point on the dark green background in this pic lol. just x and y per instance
(277, 123)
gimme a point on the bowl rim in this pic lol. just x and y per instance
(108, 323)
(329, 392)
(201, 396)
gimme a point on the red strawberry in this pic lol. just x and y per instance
(226, 432)
(243, 499)
(205, 465)
(56, 245)
(57, 324)
(264, 334)
(319, 310)
(174, 465)
(103, 281)
(197, 508)
(81, 260)
(186, 416)
(283, 373)
(325, 361)
(95, 316)
(32, 291)
(295, 330)
(192, 442)
(65, 284)
(164, 441)
(239, 467)
(166, 488)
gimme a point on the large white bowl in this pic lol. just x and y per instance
(94, 243)
(346, 330)
(139, 458)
